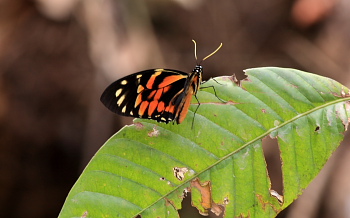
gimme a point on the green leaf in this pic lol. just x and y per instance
(147, 168)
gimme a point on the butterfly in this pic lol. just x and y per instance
(163, 95)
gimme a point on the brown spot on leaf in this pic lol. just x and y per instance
(243, 215)
(247, 79)
(264, 203)
(261, 200)
(230, 102)
(293, 85)
(235, 80)
(343, 94)
(154, 132)
(170, 202)
(216, 209)
(179, 172)
(226, 200)
(139, 126)
(207, 201)
(85, 214)
(232, 78)
(205, 190)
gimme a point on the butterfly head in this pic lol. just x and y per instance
(198, 69)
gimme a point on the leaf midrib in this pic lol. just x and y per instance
(249, 143)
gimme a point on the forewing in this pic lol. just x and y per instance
(146, 94)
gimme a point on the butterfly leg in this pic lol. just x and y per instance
(216, 81)
(195, 111)
(214, 93)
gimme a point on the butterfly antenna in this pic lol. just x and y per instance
(213, 52)
(195, 49)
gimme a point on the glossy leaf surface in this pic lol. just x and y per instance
(145, 168)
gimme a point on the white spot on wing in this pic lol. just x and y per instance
(124, 82)
(124, 109)
(117, 93)
(120, 100)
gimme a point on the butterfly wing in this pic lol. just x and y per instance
(156, 94)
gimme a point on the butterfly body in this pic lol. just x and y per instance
(163, 95)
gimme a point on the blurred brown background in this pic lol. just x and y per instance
(57, 56)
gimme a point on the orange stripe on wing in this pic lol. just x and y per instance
(152, 107)
(170, 108)
(158, 94)
(165, 89)
(170, 79)
(150, 96)
(161, 106)
(138, 100)
(143, 108)
(150, 82)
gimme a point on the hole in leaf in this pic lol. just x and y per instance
(274, 164)
(240, 76)
(187, 209)
(317, 128)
